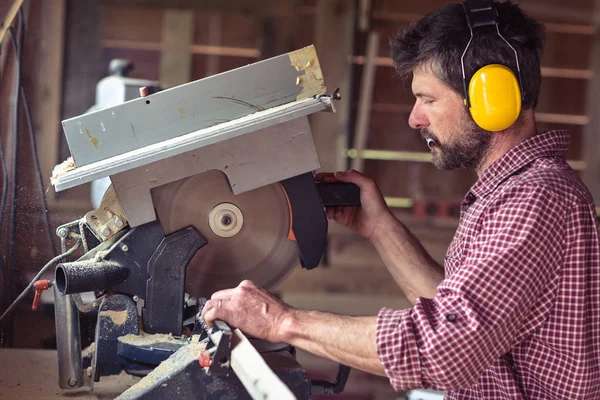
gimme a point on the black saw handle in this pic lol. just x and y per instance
(338, 194)
(308, 220)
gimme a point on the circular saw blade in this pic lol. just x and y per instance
(261, 251)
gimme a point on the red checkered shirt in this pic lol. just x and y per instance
(518, 313)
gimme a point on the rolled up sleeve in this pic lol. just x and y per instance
(397, 348)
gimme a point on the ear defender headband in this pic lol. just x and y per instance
(494, 94)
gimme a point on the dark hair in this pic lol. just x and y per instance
(439, 39)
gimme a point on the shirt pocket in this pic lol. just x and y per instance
(455, 255)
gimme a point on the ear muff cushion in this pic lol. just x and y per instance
(495, 97)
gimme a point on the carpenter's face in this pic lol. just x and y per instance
(439, 113)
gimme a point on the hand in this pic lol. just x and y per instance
(372, 214)
(251, 309)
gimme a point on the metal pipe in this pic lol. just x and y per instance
(88, 276)
(68, 341)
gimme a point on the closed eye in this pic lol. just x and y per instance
(426, 99)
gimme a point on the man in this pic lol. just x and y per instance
(514, 314)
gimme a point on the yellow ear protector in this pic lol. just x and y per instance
(494, 94)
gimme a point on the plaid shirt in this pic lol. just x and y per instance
(518, 314)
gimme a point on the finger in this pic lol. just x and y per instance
(355, 177)
(322, 175)
(223, 294)
(247, 284)
(330, 212)
(326, 177)
(210, 304)
(339, 215)
(215, 313)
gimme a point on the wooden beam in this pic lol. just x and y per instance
(277, 32)
(194, 48)
(83, 66)
(549, 72)
(215, 39)
(361, 135)
(334, 42)
(45, 47)
(177, 36)
(247, 7)
(364, 15)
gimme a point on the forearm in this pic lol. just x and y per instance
(413, 269)
(347, 340)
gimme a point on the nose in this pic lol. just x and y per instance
(417, 118)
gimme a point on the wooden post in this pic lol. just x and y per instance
(215, 33)
(366, 100)
(277, 28)
(334, 44)
(44, 70)
(177, 36)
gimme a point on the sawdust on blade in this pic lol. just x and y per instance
(261, 251)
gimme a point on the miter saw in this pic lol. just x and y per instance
(212, 183)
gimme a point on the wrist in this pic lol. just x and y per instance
(386, 226)
(288, 327)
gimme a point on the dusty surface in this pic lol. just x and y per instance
(118, 317)
(147, 340)
(177, 361)
(33, 374)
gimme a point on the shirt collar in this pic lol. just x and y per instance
(551, 144)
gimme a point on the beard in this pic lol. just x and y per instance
(466, 153)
